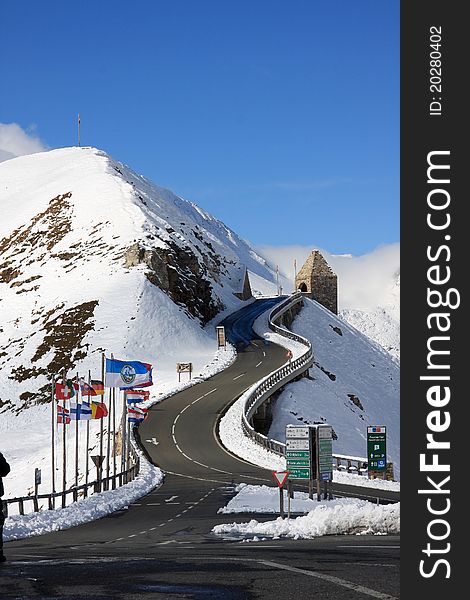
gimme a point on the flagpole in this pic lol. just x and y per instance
(64, 449)
(100, 468)
(128, 449)
(109, 441)
(295, 274)
(78, 124)
(124, 431)
(87, 449)
(77, 415)
(114, 438)
(277, 279)
(53, 442)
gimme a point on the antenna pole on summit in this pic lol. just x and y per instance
(78, 125)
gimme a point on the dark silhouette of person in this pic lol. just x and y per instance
(4, 470)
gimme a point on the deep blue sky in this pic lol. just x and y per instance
(280, 118)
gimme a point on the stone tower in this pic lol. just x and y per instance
(316, 280)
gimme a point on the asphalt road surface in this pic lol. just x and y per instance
(162, 546)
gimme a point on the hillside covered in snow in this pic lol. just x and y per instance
(381, 323)
(94, 257)
(354, 383)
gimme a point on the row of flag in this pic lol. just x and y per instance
(81, 411)
(85, 411)
(124, 375)
(129, 376)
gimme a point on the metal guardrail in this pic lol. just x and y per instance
(273, 382)
(112, 482)
(277, 379)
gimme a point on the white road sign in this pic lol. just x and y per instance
(297, 444)
(297, 432)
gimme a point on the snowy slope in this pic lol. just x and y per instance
(355, 384)
(93, 258)
(382, 323)
(94, 251)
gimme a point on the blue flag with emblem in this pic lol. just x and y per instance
(127, 374)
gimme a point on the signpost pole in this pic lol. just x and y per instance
(290, 495)
(281, 502)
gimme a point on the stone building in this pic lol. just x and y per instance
(316, 280)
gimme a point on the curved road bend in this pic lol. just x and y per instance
(161, 547)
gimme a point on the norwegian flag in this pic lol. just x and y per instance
(63, 413)
(136, 414)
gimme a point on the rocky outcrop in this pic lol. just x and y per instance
(177, 272)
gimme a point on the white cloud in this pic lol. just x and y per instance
(363, 281)
(15, 141)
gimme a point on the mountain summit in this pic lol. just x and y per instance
(95, 257)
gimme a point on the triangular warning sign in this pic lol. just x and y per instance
(280, 477)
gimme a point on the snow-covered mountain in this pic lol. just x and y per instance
(355, 384)
(94, 257)
(382, 323)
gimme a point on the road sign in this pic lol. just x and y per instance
(97, 459)
(299, 473)
(305, 454)
(280, 477)
(298, 456)
(184, 368)
(377, 448)
(296, 432)
(221, 342)
(301, 444)
(37, 476)
(293, 463)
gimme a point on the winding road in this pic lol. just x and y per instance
(161, 546)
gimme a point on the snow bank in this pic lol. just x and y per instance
(83, 511)
(336, 517)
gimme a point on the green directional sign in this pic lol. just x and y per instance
(299, 473)
(377, 448)
(292, 463)
(298, 452)
(324, 452)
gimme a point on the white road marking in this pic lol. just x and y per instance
(364, 546)
(153, 504)
(260, 363)
(264, 353)
(211, 392)
(197, 400)
(171, 499)
(238, 376)
(153, 441)
(332, 579)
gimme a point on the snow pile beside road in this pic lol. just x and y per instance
(265, 499)
(348, 516)
(89, 509)
(360, 480)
